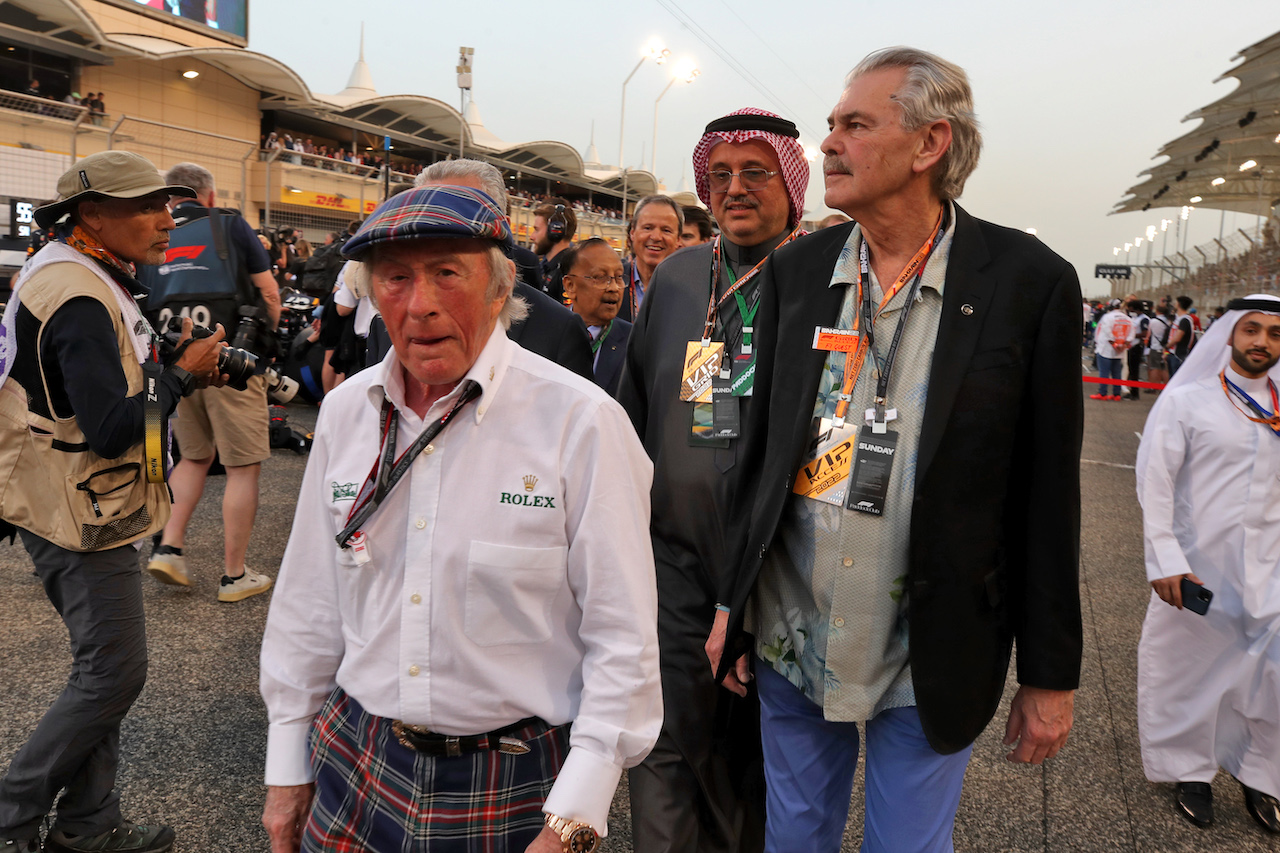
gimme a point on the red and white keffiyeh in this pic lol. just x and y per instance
(795, 166)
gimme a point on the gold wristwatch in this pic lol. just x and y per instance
(575, 836)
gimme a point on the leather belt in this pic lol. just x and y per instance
(422, 739)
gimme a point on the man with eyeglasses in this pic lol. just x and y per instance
(917, 507)
(593, 285)
(687, 384)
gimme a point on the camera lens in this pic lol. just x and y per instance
(239, 365)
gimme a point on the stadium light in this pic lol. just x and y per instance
(1217, 182)
(687, 71)
(1195, 199)
(1165, 223)
(1151, 233)
(655, 51)
(191, 75)
(1137, 241)
(1115, 251)
(1127, 247)
(1248, 164)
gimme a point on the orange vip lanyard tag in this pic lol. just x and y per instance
(824, 475)
(701, 365)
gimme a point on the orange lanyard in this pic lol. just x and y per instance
(1272, 420)
(713, 306)
(853, 360)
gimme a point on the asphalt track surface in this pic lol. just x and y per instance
(193, 744)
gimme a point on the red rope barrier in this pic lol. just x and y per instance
(1129, 383)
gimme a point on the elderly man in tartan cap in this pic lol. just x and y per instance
(701, 789)
(470, 572)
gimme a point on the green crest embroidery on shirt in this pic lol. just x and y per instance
(343, 491)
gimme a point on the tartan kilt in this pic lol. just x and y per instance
(375, 794)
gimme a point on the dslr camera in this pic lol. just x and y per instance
(238, 364)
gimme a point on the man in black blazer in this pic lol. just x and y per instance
(591, 279)
(899, 538)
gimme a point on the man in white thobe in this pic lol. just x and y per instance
(1209, 483)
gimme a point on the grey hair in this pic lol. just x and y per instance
(934, 90)
(191, 175)
(488, 176)
(358, 277)
(657, 199)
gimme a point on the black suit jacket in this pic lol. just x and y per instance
(553, 332)
(613, 352)
(994, 545)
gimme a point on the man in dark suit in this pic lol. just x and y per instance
(916, 508)
(549, 329)
(552, 331)
(701, 788)
(592, 282)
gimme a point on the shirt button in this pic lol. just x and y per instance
(429, 449)
(848, 561)
(838, 622)
(413, 670)
(420, 523)
(415, 598)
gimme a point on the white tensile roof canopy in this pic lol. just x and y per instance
(1240, 127)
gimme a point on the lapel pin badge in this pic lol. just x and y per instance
(966, 309)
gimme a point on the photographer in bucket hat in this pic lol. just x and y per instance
(81, 382)
(470, 572)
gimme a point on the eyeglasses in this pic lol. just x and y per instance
(601, 280)
(752, 180)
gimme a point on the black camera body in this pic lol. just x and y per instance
(237, 363)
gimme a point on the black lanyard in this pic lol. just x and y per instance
(388, 470)
(868, 314)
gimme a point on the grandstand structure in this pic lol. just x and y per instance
(1229, 162)
(178, 90)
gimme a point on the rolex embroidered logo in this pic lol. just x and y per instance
(518, 499)
(343, 491)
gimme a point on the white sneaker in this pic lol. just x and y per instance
(250, 583)
(169, 568)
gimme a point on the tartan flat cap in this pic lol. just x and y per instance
(426, 212)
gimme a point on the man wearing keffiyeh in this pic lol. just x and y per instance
(81, 385)
(1209, 483)
(701, 789)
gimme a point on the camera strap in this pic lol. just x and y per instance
(156, 435)
(389, 470)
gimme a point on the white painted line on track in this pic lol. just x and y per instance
(1138, 434)
(1108, 464)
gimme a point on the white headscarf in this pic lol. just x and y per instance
(1210, 357)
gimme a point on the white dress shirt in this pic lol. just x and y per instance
(510, 575)
(344, 296)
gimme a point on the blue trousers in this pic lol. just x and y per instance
(1109, 368)
(912, 792)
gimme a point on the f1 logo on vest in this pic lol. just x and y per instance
(182, 253)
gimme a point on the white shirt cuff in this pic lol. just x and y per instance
(584, 789)
(288, 761)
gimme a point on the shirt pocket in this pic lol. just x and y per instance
(510, 592)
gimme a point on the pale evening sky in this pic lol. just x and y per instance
(1074, 99)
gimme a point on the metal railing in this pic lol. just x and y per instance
(1216, 271)
(45, 107)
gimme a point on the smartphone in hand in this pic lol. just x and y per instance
(1195, 597)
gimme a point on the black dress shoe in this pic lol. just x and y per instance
(1195, 802)
(1264, 808)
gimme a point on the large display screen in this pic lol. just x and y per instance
(226, 18)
